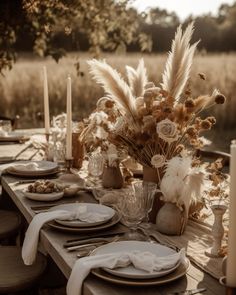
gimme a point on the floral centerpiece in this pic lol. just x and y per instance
(160, 127)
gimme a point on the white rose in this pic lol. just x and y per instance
(167, 130)
(158, 161)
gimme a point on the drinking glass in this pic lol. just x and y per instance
(148, 190)
(133, 212)
(5, 125)
(95, 166)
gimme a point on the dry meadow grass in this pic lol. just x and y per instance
(22, 93)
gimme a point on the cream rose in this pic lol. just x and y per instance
(158, 161)
(167, 130)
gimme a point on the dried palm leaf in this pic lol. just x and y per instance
(179, 63)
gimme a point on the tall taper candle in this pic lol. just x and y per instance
(69, 121)
(46, 101)
(231, 260)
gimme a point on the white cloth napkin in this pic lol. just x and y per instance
(26, 167)
(30, 245)
(141, 260)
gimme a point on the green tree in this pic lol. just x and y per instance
(107, 24)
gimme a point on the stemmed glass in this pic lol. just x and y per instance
(135, 207)
(132, 211)
(148, 192)
(95, 166)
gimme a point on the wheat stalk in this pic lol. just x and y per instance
(137, 78)
(178, 65)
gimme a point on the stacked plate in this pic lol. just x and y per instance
(13, 137)
(135, 277)
(95, 217)
(33, 169)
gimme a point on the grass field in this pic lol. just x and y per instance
(22, 92)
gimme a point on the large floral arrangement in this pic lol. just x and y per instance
(159, 127)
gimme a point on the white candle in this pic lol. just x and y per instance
(46, 101)
(69, 121)
(231, 259)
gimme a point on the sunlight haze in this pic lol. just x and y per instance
(183, 8)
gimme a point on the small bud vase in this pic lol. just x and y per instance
(112, 177)
(217, 231)
(171, 220)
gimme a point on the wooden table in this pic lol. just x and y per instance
(52, 243)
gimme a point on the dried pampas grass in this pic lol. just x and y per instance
(114, 85)
(179, 63)
(137, 78)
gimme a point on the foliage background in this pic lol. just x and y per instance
(37, 33)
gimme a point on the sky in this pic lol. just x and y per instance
(183, 8)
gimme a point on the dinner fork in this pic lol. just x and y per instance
(189, 292)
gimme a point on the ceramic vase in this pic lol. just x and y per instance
(171, 220)
(112, 177)
(217, 231)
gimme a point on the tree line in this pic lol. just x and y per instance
(53, 27)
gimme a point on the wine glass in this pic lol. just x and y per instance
(95, 166)
(133, 212)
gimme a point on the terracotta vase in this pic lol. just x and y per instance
(77, 151)
(150, 174)
(171, 220)
(112, 177)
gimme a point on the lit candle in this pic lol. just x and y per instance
(69, 121)
(46, 101)
(231, 259)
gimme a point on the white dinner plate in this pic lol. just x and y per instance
(43, 197)
(96, 208)
(13, 136)
(130, 271)
(43, 167)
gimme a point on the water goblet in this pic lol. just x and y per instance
(132, 211)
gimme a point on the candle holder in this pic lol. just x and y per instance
(46, 156)
(217, 231)
(68, 165)
(228, 290)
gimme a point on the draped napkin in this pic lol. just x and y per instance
(26, 167)
(30, 245)
(146, 261)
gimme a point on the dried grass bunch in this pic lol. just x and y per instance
(157, 126)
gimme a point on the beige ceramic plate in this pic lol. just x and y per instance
(178, 273)
(43, 197)
(40, 174)
(13, 137)
(91, 208)
(130, 271)
(42, 167)
(115, 219)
